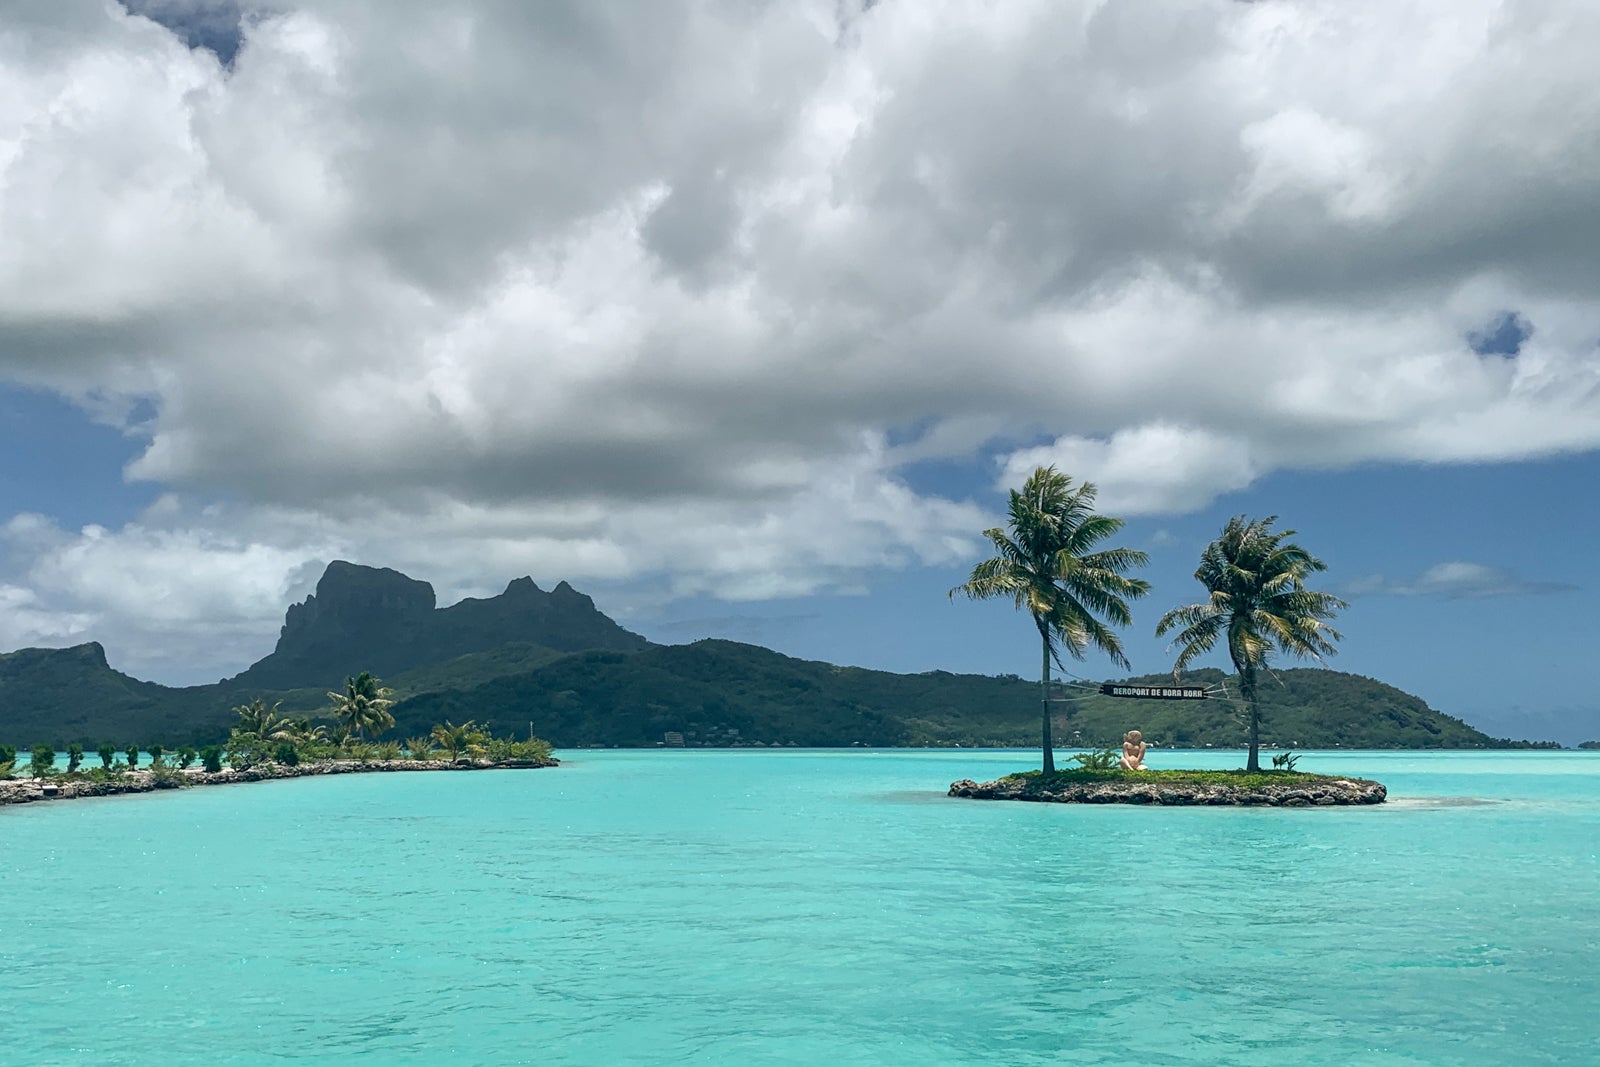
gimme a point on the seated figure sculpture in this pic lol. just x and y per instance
(1133, 747)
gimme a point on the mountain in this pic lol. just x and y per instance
(1301, 707)
(718, 692)
(359, 618)
(73, 694)
(376, 619)
(553, 661)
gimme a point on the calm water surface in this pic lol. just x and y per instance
(807, 907)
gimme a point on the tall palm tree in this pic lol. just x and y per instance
(1044, 564)
(1259, 600)
(364, 705)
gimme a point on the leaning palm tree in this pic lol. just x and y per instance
(301, 732)
(456, 739)
(364, 705)
(1259, 601)
(258, 720)
(1044, 564)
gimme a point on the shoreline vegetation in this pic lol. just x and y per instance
(265, 745)
(1242, 788)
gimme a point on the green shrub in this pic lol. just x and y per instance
(246, 750)
(533, 748)
(211, 758)
(1285, 761)
(8, 760)
(132, 752)
(186, 755)
(44, 760)
(107, 754)
(164, 777)
(156, 752)
(389, 750)
(74, 756)
(286, 754)
(1106, 759)
(421, 748)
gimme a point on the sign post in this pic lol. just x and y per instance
(1154, 692)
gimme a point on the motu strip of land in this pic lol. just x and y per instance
(69, 787)
(1288, 789)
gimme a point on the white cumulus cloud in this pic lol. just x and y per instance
(641, 295)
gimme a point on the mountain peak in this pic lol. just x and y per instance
(377, 619)
(88, 654)
(345, 583)
(563, 591)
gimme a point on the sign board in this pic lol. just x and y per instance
(1155, 692)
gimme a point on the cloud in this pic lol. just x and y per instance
(24, 622)
(217, 25)
(1454, 581)
(192, 593)
(645, 295)
(1154, 469)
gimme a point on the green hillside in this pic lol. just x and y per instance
(463, 672)
(72, 694)
(718, 692)
(1303, 708)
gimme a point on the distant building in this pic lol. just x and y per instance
(673, 739)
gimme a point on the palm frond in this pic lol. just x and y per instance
(1042, 562)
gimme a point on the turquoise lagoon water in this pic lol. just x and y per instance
(807, 907)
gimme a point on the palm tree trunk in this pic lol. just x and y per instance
(1247, 682)
(1047, 742)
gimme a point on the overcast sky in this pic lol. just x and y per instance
(741, 316)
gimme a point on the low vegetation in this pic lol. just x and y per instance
(262, 736)
(1242, 779)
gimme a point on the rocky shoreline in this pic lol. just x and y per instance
(29, 790)
(1320, 792)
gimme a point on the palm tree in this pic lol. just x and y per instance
(457, 739)
(1044, 565)
(306, 734)
(256, 719)
(1256, 578)
(364, 705)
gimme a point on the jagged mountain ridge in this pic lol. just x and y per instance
(377, 619)
(359, 618)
